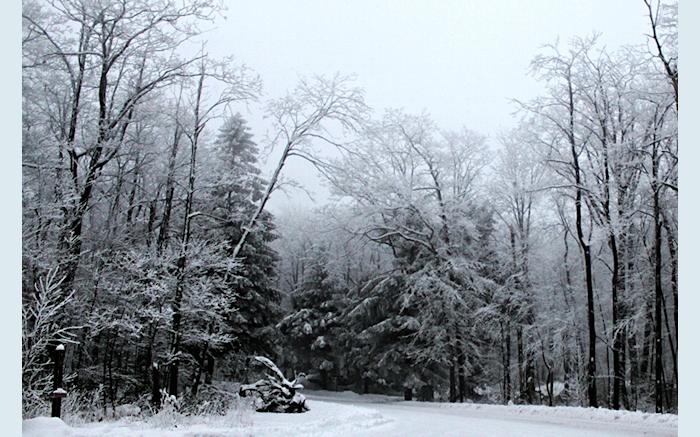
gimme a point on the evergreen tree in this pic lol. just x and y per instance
(313, 328)
(235, 187)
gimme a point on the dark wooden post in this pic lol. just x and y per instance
(155, 386)
(58, 391)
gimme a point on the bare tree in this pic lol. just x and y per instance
(303, 116)
(111, 37)
(516, 187)
(665, 44)
(562, 112)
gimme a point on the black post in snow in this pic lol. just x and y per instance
(58, 391)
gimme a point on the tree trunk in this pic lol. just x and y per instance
(132, 193)
(673, 254)
(453, 384)
(672, 347)
(658, 292)
(530, 377)
(155, 387)
(506, 364)
(209, 374)
(618, 340)
(634, 371)
(200, 369)
(521, 363)
(169, 184)
(461, 361)
(586, 249)
(152, 210)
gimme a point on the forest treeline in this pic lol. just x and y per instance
(539, 266)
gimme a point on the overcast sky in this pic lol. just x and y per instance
(461, 61)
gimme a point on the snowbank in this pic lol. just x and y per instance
(579, 413)
(45, 426)
(324, 419)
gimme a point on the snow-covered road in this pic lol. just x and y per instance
(349, 414)
(434, 419)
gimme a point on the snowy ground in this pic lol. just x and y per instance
(349, 414)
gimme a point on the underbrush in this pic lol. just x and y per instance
(211, 405)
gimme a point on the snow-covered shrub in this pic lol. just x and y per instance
(126, 410)
(34, 406)
(488, 393)
(275, 393)
(210, 400)
(169, 413)
(42, 326)
(83, 406)
(412, 381)
(239, 412)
